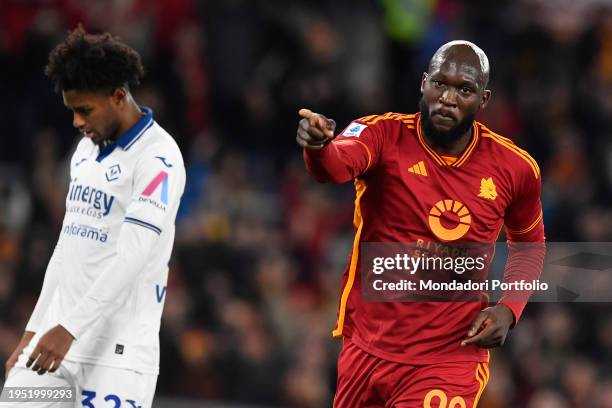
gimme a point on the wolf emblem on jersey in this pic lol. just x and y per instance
(487, 189)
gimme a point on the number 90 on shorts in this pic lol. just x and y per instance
(440, 400)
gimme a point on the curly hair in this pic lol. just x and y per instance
(93, 62)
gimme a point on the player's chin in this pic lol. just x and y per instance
(96, 138)
(442, 130)
(443, 124)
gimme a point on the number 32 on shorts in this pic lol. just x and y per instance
(111, 401)
(455, 402)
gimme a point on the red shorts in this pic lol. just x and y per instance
(366, 381)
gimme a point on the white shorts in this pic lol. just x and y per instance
(95, 386)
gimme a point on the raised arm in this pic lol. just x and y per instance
(336, 160)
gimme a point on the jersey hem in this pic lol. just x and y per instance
(23, 357)
(131, 367)
(417, 361)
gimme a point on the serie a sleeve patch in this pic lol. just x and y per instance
(353, 130)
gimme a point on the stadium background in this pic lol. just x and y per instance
(260, 247)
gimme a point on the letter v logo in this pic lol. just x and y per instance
(160, 295)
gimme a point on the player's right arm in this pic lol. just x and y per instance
(336, 160)
(50, 283)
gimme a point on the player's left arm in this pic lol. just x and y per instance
(144, 223)
(524, 228)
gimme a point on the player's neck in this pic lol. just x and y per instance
(452, 149)
(132, 115)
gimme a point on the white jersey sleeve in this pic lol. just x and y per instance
(158, 185)
(52, 277)
(53, 273)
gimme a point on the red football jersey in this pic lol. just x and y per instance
(405, 192)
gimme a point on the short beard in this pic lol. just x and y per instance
(447, 138)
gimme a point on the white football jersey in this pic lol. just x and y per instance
(106, 281)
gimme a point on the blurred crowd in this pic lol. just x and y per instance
(260, 247)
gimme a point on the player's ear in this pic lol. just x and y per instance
(484, 100)
(423, 79)
(118, 95)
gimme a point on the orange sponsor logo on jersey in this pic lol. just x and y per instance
(449, 220)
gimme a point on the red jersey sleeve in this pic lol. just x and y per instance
(354, 152)
(523, 221)
(524, 228)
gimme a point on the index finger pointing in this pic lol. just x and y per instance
(306, 113)
(314, 119)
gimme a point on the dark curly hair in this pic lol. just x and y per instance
(93, 62)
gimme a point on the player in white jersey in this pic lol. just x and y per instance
(96, 324)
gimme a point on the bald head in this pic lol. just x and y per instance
(462, 53)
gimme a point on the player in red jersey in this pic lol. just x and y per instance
(434, 176)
